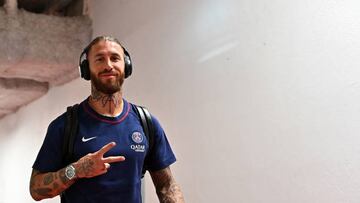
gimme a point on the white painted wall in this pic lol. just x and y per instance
(22, 133)
(260, 99)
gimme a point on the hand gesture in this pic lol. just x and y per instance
(94, 164)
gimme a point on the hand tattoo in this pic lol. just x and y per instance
(86, 166)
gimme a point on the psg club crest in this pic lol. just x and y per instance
(137, 137)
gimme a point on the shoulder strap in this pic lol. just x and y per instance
(147, 124)
(70, 132)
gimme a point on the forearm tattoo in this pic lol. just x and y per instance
(48, 185)
(110, 100)
(171, 195)
(167, 189)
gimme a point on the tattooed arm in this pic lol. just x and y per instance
(168, 191)
(48, 185)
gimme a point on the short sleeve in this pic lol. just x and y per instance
(49, 158)
(161, 155)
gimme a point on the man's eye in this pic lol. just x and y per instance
(115, 58)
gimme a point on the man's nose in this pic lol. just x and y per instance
(108, 64)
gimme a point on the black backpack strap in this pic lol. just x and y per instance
(150, 127)
(70, 132)
(147, 125)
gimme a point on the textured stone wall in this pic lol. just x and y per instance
(37, 51)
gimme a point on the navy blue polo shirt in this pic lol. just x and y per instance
(122, 182)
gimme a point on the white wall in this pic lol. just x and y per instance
(260, 99)
(22, 133)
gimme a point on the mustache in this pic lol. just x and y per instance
(108, 72)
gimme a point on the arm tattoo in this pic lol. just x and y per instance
(63, 179)
(43, 191)
(167, 189)
(48, 178)
(47, 185)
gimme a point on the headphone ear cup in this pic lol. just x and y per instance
(128, 65)
(85, 70)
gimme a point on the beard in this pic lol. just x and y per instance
(107, 86)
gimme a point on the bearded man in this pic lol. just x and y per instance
(110, 146)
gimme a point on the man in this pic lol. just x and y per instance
(110, 145)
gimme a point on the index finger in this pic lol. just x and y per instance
(112, 159)
(106, 148)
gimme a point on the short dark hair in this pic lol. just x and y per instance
(98, 39)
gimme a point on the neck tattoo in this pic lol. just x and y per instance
(111, 100)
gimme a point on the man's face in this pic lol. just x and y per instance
(106, 61)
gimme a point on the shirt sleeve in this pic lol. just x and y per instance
(49, 158)
(161, 155)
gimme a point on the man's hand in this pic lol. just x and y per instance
(47, 185)
(94, 164)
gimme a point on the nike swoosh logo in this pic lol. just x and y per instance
(87, 139)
